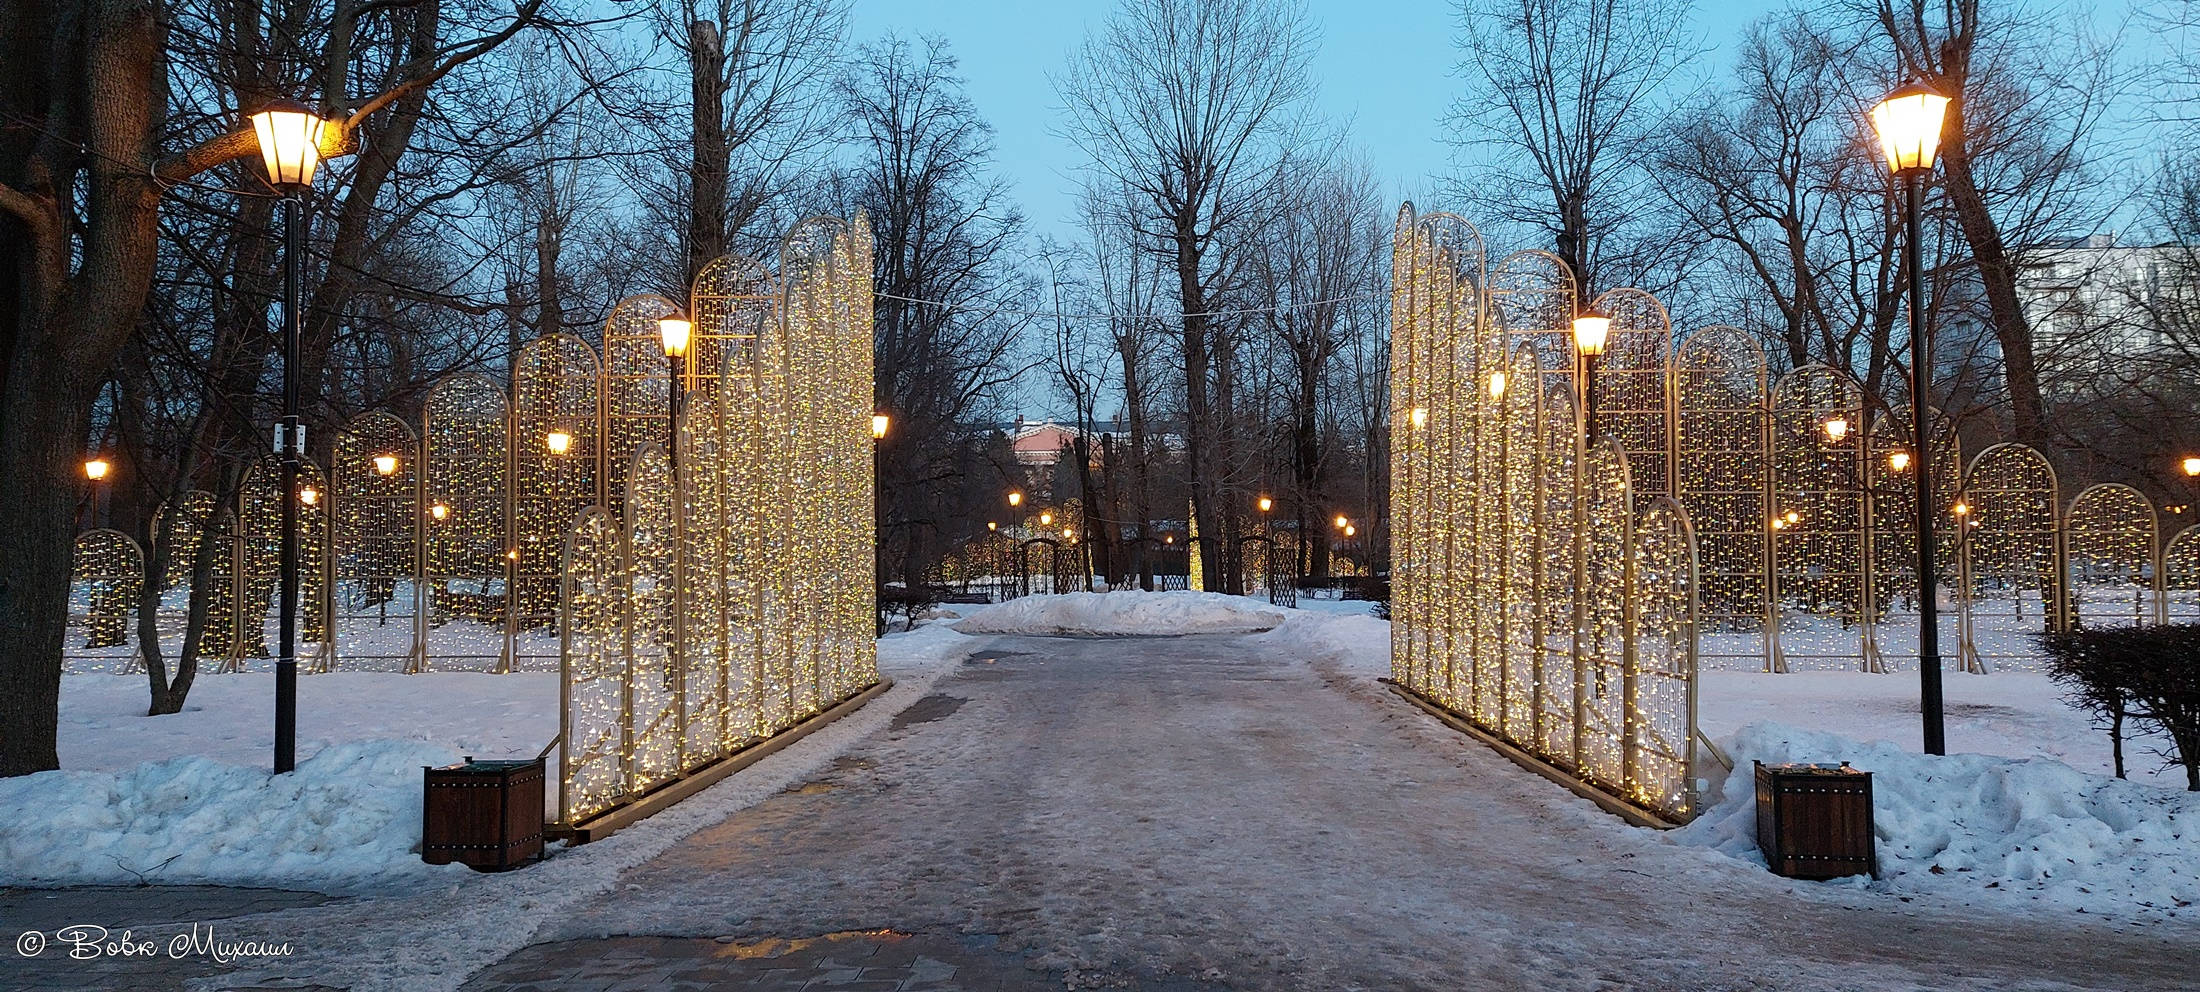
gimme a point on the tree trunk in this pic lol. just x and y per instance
(64, 330)
(711, 163)
(1204, 470)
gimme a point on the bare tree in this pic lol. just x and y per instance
(1186, 105)
(2027, 91)
(1561, 99)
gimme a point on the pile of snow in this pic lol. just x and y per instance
(1357, 640)
(1964, 823)
(1129, 613)
(349, 814)
(348, 817)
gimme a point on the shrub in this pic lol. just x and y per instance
(2149, 676)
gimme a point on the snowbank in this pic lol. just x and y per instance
(1356, 641)
(350, 813)
(1965, 823)
(348, 816)
(1125, 614)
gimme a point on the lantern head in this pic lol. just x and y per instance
(1909, 122)
(290, 142)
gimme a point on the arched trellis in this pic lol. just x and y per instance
(1722, 477)
(1632, 382)
(558, 458)
(1053, 570)
(2010, 577)
(466, 473)
(1890, 472)
(2110, 539)
(106, 574)
(374, 533)
(1260, 556)
(259, 559)
(2180, 573)
(1818, 521)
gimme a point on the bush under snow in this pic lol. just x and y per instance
(1125, 614)
(1958, 824)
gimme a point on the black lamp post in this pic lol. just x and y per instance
(674, 332)
(290, 146)
(1909, 122)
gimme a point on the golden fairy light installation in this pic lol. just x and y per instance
(730, 595)
(1534, 593)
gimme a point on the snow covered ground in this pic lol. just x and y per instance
(1128, 613)
(2026, 810)
(187, 798)
(2022, 812)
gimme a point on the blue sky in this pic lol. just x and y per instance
(1383, 64)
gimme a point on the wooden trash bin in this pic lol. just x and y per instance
(486, 814)
(1815, 821)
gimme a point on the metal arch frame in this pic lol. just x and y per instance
(110, 585)
(315, 607)
(410, 447)
(2053, 606)
(444, 543)
(1750, 536)
(521, 610)
(2146, 566)
(1023, 564)
(1852, 490)
(2180, 570)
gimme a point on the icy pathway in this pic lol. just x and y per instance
(1189, 813)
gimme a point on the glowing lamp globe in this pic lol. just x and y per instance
(1909, 122)
(96, 469)
(1591, 330)
(1899, 461)
(673, 332)
(1267, 504)
(879, 423)
(559, 442)
(309, 496)
(1497, 385)
(385, 464)
(1015, 499)
(1837, 429)
(439, 511)
(290, 142)
(2192, 466)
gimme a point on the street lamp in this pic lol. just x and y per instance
(559, 442)
(1015, 498)
(1343, 521)
(289, 135)
(1837, 428)
(1267, 504)
(1909, 121)
(385, 465)
(1592, 328)
(2192, 467)
(96, 469)
(673, 331)
(1899, 461)
(879, 424)
(1046, 519)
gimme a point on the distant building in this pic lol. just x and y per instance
(2089, 301)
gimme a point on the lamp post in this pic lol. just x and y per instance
(1909, 122)
(673, 332)
(1591, 329)
(289, 136)
(96, 469)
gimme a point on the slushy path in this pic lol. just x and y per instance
(1190, 813)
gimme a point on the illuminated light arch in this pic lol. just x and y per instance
(2181, 576)
(1632, 383)
(1660, 691)
(198, 516)
(465, 573)
(1721, 468)
(2110, 538)
(106, 574)
(1817, 521)
(2009, 571)
(597, 736)
(556, 382)
(374, 538)
(259, 561)
(637, 387)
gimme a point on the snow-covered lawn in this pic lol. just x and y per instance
(187, 798)
(1128, 613)
(2024, 806)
